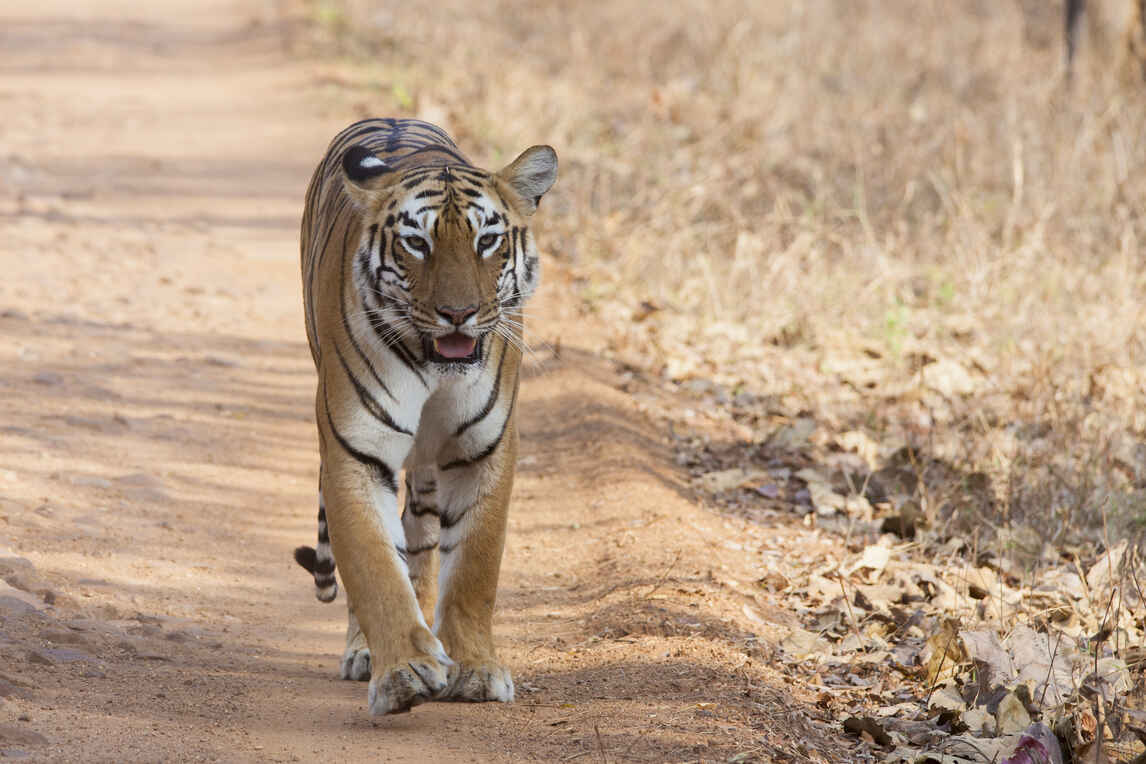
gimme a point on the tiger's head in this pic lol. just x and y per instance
(445, 255)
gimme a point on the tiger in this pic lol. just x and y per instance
(416, 267)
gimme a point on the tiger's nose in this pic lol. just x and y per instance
(457, 316)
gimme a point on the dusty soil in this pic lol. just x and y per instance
(158, 456)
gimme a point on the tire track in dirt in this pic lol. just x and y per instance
(158, 458)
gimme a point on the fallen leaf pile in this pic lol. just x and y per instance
(948, 663)
(931, 656)
(940, 632)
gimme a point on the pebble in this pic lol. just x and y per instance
(152, 656)
(87, 481)
(68, 655)
(58, 636)
(51, 656)
(144, 630)
(47, 378)
(14, 753)
(140, 480)
(93, 582)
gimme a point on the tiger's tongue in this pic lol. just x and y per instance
(454, 345)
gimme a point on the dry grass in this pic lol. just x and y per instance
(892, 215)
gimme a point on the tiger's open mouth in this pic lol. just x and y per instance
(453, 348)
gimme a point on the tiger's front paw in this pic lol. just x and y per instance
(402, 686)
(478, 682)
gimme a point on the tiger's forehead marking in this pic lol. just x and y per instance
(446, 196)
(482, 213)
(419, 212)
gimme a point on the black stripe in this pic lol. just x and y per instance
(530, 262)
(450, 151)
(395, 257)
(381, 471)
(351, 134)
(494, 393)
(353, 341)
(400, 151)
(370, 244)
(422, 549)
(345, 241)
(382, 329)
(369, 402)
(449, 522)
(386, 245)
(334, 216)
(517, 245)
(314, 261)
(488, 449)
(468, 172)
(439, 132)
(420, 510)
(413, 181)
(447, 548)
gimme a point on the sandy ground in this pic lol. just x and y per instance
(158, 456)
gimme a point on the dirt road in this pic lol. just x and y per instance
(158, 457)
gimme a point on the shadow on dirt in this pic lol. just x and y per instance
(118, 428)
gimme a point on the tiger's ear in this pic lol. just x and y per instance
(364, 174)
(531, 175)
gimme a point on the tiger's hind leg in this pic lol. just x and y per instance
(356, 657)
(319, 560)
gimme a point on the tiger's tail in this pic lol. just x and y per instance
(319, 560)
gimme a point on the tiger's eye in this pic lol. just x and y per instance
(417, 244)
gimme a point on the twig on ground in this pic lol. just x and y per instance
(938, 670)
(664, 576)
(851, 615)
(600, 745)
(1050, 669)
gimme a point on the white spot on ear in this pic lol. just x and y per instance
(371, 161)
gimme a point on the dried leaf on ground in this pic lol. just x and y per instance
(984, 648)
(729, 480)
(1038, 745)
